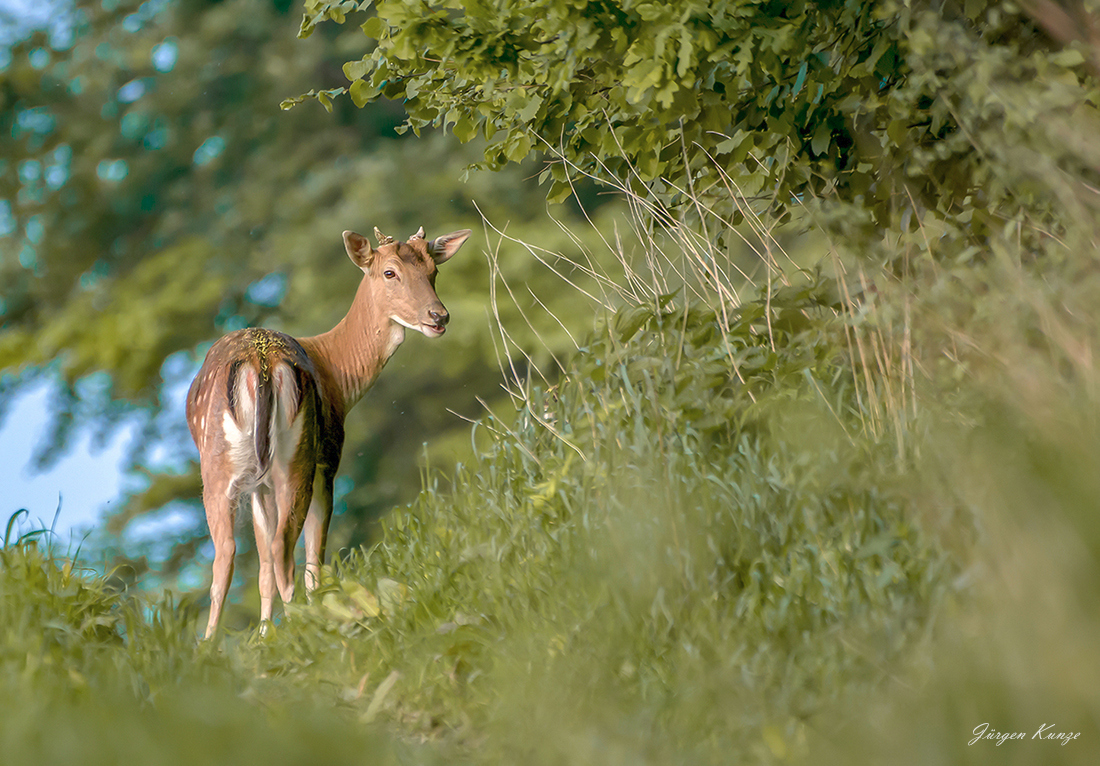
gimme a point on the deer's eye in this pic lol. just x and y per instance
(389, 274)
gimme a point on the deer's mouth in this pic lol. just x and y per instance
(433, 330)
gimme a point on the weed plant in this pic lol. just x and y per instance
(90, 675)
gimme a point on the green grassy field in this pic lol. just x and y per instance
(804, 529)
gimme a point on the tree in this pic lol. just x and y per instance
(154, 196)
(896, 111)
(130, 166)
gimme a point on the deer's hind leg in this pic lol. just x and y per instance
(292, 494)
(295, 459)
(220, 513)
(264, 523)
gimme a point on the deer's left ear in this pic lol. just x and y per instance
(359, 249)
(442, 248)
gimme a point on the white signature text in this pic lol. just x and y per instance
(1046, 731)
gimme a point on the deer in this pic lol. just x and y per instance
(266, 412)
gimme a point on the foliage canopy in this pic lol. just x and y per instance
(897, 108)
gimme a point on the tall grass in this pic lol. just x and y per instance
(1010, 406)
(794, 516)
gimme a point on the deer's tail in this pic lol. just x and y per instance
(264, 423)
(251, 394)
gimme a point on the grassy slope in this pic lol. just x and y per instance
(814, 558)
(652, 563)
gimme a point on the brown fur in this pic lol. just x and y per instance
(280, 437)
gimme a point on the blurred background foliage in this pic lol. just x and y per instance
(155, 196)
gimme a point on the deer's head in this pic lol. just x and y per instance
(400, 276)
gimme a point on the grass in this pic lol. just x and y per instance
(95, 676)
(840, 515)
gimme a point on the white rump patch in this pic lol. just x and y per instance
(242, 450)
(242, 453)
(285, 433)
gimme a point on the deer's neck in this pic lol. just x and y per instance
(352, 353)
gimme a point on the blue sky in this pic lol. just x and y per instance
(87, 478)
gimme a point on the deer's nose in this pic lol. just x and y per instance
(440, 317)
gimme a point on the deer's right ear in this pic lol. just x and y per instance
(359, 249)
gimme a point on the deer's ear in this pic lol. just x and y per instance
(442, 248)
(359, 249)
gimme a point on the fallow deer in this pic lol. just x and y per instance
(267, 412)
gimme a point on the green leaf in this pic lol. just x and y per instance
(643, 76)
(357, 70)
(822, 137)
(518, 147)
(465, 128)
(630, 321)
(1068, 57)
(362, 93)
(685, 58)
(559, 192)
(530, 109)
(800, 80)
(309, 23)
(323, 96)
(896, 131)
(375, 28)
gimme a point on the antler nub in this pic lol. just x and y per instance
(382, 238)
(419, 234)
